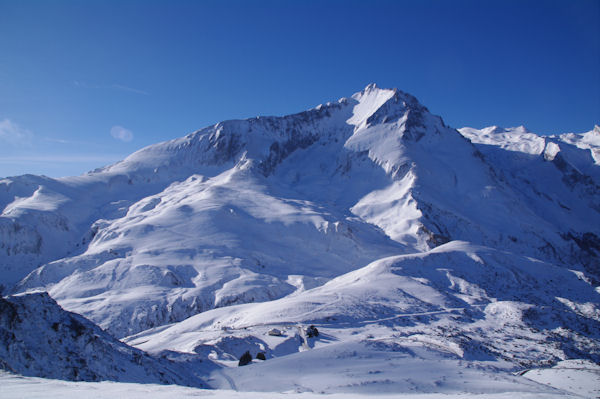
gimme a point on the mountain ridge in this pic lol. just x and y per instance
(256, 213)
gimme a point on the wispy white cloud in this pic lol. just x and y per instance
(13, 134)
(113, 86)
(129, 89)
(120, 133)
(68, 141)
(60, 141)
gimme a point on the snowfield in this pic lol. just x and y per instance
(18, 387)
(434, 262)
(580, 383)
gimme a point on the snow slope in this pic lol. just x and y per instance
(576, 376)
(17, 387)
(559, 177)
(457, 302)
(41, 339)
(202, 244)
(368, 217)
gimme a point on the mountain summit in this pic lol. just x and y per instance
(359, 209)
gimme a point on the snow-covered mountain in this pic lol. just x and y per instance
(366, 211)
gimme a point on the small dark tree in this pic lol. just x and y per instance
(261, 356)
(245, 359)
(312, 331)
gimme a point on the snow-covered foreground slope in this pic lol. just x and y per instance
(577, 376)
(38, 338)
(474, 253)
(17, 387)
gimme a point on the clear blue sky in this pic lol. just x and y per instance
(73, 72)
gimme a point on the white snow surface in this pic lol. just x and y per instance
(424, 309)
(577, 376)
(459, 257)
(18, 387)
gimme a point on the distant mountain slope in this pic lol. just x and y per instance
(38, 338)
(475, 303)
(558, 177)
(201, 244)
(266, 208)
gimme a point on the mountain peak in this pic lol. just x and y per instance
(371, 86)
(369, 101)
(378, 105)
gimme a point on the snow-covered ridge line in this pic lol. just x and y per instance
(520, 139)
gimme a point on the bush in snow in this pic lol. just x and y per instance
(245, 359)
(312, 332)
(261, 356)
